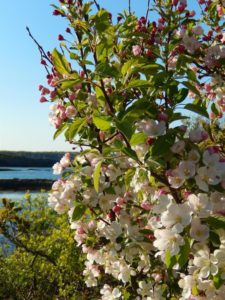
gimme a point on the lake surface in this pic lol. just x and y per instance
(17, 195)
(23, 173)
(26, 173)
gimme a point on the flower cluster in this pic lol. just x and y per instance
(144, 194)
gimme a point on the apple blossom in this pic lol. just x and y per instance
(144, 194)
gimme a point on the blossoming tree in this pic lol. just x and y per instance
(145, 199)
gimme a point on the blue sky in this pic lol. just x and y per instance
(23, 120)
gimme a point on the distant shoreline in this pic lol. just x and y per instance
(25, 184)
(10, 159)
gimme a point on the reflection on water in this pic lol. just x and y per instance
(26, 173)
(17, 195)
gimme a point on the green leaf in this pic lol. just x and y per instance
(78, 212)
(178, 116)
(128, 177)
(216, 222)
(80, 24)
(162, 145)
(102, 20)
(218, 281)
(60, 130)
(96, 175)
(75, 127)
(139, 65)
(191, 87)
(214, 238)
(60, 62)
(138, 138)
(200, 110)
(118, 144)
(103, 123)
(70, 83)
(194, 290)
(126, 295)
(105, 70)
(183, 255)
(126, 128)
(191, 75)
(182, 95)
(129, 152)
(136, 83)
(215, 109)
(170, 261)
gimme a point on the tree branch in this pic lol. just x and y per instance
(129, 6)
(40, 48)
(97, 5)
(20, 244)
(147, 12)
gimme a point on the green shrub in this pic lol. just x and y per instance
(45, 263)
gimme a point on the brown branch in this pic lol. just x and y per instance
(20, 244)
(40, 48)
(111, 137)
(97, 217)
(129, 6)
(166, 183)
(147, 12)
(97, 5)
(110, 106)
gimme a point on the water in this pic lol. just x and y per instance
(26, 173)
(6, 247)
(17, 195)
(23, 173)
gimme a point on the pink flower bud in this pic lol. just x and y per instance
(219, 9)
(191, 13)
(91, 225)
(82, 74)
(149, 53)
(163, 116)
(150, 141)
(136, 50)
(43, 62)
(175, 2)
(72, 97)
(53, 94)
(56, 12)
(127, 194)
(187, 193)
(116, 209)
(120, 201)
(143, 20)
(213, 149)
(111, 215)
(70, 111)
(60, 37)
(169, 173)
(146, 205)
(151, 237)
(43, 99)
(181, 8)
(102, 135)
(80, 230)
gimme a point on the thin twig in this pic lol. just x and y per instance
(20, 244)
(97, 5)
(40, 48)
(129, 6)
(147, 12)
